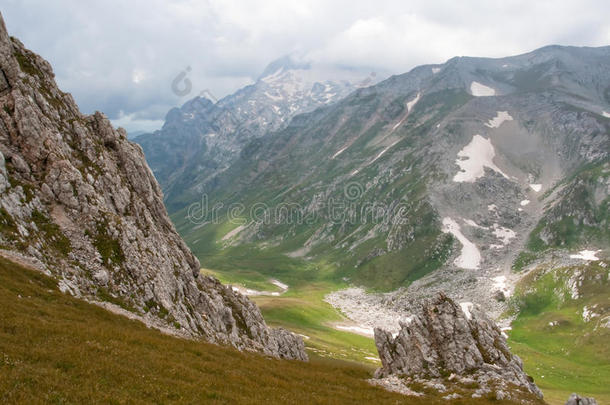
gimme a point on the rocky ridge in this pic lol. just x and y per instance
(79, 200)
(454, 350)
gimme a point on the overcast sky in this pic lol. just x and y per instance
(120, 57)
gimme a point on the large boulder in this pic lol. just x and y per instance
(576, 399)
(447, 343)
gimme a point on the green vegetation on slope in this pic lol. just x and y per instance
(578, 217)
(559, 349)
(58, 349)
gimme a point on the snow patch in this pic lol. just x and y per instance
(589, 255)
(274, 98)
(500, 284)
(606, 114)
(339, 152)
(359, 330)
(470, 222)
(475, 157)
(504, 234)
(499, 119)
(524, 203)
(234, 232)
(412, 103)
(466, 308)
(279, 284)
(274, 76)
(480, 90)
(254, 293)
(536, 187)
(470, 257)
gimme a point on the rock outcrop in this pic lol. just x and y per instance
(446, 345)
(78, 198)
(576, 399)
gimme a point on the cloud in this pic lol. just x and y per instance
(122, 57)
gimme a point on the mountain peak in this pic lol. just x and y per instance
(286, 62)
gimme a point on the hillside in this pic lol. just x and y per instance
(58, 349)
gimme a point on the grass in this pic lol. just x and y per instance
(57, 349)
(302, 310)
(573, 355)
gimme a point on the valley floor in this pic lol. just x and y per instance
(302, 309)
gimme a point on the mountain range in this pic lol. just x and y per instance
(478, 177)
(204, 137)
(346, 215)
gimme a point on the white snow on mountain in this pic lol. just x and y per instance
(412, 103)
(480, 90)
(499, 119)
(474, 158)
(589, 255)
(500, 284)
(466, 308)
(470, 257)
(504, 234)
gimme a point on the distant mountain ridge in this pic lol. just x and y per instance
(201, 139)
(483, 156)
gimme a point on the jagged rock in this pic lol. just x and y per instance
(442, 340)
(576, 399)
(76, 196)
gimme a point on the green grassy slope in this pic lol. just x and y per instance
(60, 350)
(559, 349)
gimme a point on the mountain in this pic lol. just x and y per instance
(488, 179)
(449, 177)
(202, 139)
(78, 202)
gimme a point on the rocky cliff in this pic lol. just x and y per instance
(78, 199)
(453, 347)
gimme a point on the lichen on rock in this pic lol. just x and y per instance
(442, 344)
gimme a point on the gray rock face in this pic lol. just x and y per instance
(443, 341)
(576, 399)
(78, 197)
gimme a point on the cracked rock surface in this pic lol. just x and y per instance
(444, 343)
(79, 199)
